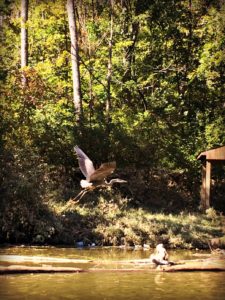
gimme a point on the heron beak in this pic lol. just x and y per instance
(123, 181)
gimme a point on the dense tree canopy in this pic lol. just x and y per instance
(161, 64)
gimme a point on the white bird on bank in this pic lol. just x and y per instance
(160, 257)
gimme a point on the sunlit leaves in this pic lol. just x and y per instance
(167, 76)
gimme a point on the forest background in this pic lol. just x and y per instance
(151, 84)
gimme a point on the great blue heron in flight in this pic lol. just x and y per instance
(95, 178)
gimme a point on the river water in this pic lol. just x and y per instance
(108, 285)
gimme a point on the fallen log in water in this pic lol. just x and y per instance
(189, 266)
(41, 259)
(47, 259)
(203, 265)
(49, 269)
(209, 264)
(42, 269)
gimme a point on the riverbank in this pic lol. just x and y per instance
(105, 221)
(116, 223)
(153, 207)
(109, 218)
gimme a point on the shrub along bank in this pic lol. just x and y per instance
(106, 218)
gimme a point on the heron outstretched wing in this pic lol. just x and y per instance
(103, 171)
(85, 164)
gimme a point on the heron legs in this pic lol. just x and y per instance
(76, 199)
(80, 195)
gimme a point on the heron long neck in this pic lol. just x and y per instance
(110, 183)
(118, 180)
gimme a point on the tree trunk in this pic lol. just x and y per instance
(109, 75)
(24, 38)
(75, 60)
(130, 33)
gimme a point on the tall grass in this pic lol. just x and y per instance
(116, 222)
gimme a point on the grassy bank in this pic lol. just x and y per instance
(150, 209)
(117, 222)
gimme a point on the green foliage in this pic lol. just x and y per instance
(167, 93)
(114, 222)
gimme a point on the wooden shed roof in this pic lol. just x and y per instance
(213, 154)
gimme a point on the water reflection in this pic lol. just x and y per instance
(159, 279)
(109, 285)
(114, 286)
